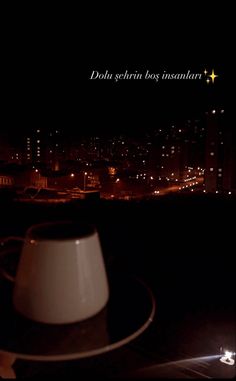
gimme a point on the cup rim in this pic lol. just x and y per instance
(87, 230)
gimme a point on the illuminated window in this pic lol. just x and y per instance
(220, 169)
(211, 169)
(163, 147)
(38, 131)
(162, 154)
(212, 154)
(219, 174)
(38, 141)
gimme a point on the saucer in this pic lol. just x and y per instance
(128, 313)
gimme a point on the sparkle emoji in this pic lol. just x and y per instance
(213, 76)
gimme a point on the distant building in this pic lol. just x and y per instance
(219, 154)
(6, 181)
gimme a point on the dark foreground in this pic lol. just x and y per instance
(183, 248)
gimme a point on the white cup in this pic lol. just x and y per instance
(61, 276)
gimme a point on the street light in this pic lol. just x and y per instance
(85, 174)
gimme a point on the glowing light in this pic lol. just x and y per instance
(117, 180)
(227, 358)
(72, 175)
(151, 178)
(85, 173)
(230, 192)
(228, 354)
(213, 111)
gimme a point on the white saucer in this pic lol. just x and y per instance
(129, 312)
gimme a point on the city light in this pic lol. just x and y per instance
(185, 153)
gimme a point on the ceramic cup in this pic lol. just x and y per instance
(61, 276)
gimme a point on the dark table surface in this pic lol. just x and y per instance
(182, 247)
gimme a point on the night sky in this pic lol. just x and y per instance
(46, 83)
(45, 95)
